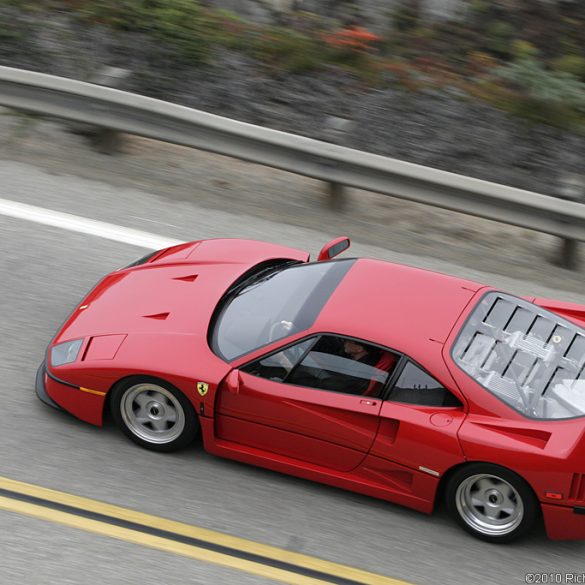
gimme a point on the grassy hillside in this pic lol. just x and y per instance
(445, 95)
(525, 57)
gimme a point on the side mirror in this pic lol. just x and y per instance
(232, 382)
(333, 248)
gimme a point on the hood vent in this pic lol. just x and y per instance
(158, 316)
(189, 278)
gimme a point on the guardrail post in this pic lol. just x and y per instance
(569, 254)
(336, 130)
(572, 188)
(105, 140)
(337, 198)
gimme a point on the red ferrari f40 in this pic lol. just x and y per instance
(396, 382)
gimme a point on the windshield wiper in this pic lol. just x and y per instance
(254, 283)
(257, 278)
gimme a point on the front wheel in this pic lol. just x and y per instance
(154, 414)
(491, 502)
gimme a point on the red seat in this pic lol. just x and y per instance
(386, 363)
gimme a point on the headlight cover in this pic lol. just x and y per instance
(65, 353)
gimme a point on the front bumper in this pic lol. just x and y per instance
(41, 389)
(564, 522)
(84, 403)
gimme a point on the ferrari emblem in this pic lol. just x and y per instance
(202, 388)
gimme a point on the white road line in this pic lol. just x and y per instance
(83, 225)
(154, 221)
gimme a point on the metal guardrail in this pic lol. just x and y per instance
(337, 165)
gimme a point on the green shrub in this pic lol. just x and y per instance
(499, 37)
(530, 78)
(12, 30)
(523, 50)
(10, 36)
(572, 64)
(479, 7)
(532, 92)
(228, 29)
(182, 24)
(131, 15)
(286, 49)
(406, 16)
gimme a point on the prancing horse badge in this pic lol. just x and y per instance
(202, 388)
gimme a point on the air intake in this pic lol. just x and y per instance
(157, 316)
(189, 278)
(577, 492)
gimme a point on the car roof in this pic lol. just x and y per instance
(395, 305)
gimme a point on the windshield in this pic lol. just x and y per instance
(273, 305)
(528, 357)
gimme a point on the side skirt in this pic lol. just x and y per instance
(375, 477)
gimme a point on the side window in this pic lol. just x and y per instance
(415, 386)
(344, 365)
(277, 366)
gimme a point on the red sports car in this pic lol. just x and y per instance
(392, 381)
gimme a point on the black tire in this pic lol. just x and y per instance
(153, 414)
(491, 502)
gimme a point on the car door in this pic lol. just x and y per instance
(307, 401)
(419, 422)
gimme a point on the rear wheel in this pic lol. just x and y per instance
(154, 414)
(491, 502)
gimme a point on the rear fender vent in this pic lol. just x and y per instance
(157, 316)
(534, 437)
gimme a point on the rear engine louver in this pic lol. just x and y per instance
(189, 278)
(577, 492)
(158, 316)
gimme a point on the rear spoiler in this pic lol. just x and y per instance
(571, 311)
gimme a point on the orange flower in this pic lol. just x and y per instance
(356, 38)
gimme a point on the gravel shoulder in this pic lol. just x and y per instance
(216, 182)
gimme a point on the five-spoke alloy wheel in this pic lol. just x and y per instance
(154, 414)
(491, 502)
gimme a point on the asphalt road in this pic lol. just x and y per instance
(43, 272)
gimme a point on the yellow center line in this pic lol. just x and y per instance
(155, 542)
(134, 535)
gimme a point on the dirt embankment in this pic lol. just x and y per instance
(438, 128)
(442, 128)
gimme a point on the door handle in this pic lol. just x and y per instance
(368, 402)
